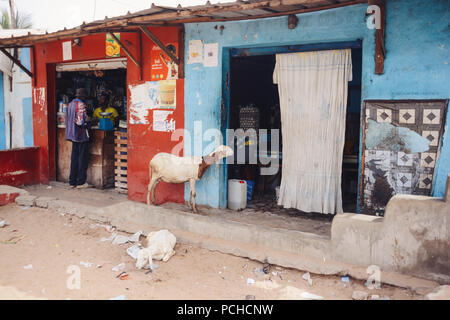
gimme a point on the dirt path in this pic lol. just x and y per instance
(52, 242)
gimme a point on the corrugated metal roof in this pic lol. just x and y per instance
(7, 33)
(166, 16)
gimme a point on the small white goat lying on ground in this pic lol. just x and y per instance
(159, 245)
(173, 169)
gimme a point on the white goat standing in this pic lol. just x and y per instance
(159, 246)
(173, 169)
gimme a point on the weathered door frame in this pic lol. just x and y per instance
(230, 52)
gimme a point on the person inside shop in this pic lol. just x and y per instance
(104, 107)
(77, 131)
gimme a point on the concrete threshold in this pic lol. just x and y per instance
(282, 247)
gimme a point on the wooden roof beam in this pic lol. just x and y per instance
(16, 61)
(127, 52)
(158, 42)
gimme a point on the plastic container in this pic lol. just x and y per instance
(237, 194)
(106, 124)
(61, 119)
(250, 188)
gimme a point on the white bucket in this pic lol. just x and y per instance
(237, 194)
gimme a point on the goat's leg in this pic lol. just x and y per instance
(190, 198)
(152, 192)
(192, 187)
(148, 194)
(168, 255)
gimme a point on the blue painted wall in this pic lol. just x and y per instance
(416, 67)
(2, 115)
(203, 85)
(417, 63)
(27, 105)
(24, 57)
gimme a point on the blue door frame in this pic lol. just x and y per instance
(229, 53)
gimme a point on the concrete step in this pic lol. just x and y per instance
(9, 194)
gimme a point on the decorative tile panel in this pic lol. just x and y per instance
(400, 162)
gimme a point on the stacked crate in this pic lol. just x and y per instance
(120, 161)
(249, 118)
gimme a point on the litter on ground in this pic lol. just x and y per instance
(307, 277)
(151, 267)
(120, 239)
(133, 251)
(259, 271)
(28, 267)
(119, 267)
(311, 296)
(124, 276)
(110, 238)
(86, 264)
(135, 237)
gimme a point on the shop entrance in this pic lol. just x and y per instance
(254, 104)
(105, 85)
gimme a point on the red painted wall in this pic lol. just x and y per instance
(143, 142)
(19, 166)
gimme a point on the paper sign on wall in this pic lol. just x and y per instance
(161, 121)
(151, 95)
(39, 97)
(163, 68)
(211, 52)
(67, 50)
(195, 51)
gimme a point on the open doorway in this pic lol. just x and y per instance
(350, 161)
(254, 104)
(106, 105)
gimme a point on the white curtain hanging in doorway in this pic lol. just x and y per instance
(313, 100)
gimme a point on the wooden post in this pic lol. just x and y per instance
(380, 34)
(181, 34)
(141, 59)
(33, 51)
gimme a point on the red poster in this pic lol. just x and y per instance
(163, 68)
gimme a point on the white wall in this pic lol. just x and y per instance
(14, 102)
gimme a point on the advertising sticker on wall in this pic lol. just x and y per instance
(151, 95)
(111, 46)
(161, 122)
(195, 51)
(39, 97)
(162, 67)
(167, 94)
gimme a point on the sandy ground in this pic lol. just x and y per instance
(55, 244)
